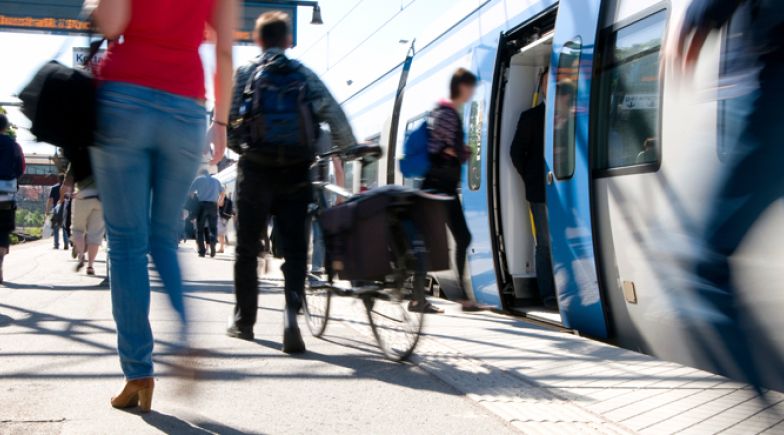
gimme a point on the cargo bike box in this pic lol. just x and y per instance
(359, 238)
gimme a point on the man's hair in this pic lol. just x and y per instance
(461, 77)
(3, 122)
(61, 177)
(273, 29)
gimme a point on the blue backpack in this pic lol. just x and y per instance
(278, 125)
(415, 162)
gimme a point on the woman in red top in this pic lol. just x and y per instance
(149, 143)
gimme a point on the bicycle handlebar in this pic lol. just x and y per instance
(352, 153)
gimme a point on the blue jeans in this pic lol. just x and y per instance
(148, 148)
(56, 229)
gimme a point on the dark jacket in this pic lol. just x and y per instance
(446, 132)
(527, 152)
(12, 164)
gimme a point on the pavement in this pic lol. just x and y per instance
(472, 373)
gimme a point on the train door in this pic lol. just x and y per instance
(522, 63)
(569, 177)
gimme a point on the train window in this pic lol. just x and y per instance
(369, 175)
(629, 96)
(565, 128)
(475, 145)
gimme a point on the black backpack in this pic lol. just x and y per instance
(276, 124)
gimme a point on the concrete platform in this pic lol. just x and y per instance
(473, 373)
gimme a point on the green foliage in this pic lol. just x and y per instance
(29, 218)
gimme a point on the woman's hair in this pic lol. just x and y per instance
(273, 29)
(3, 123)
(461, 77)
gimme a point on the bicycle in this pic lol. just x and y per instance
(395, 303)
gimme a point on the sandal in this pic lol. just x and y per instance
(80, 264)
(90, 271)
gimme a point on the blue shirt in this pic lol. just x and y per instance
(207, 188)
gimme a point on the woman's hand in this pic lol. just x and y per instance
(450, 151)
(217, 136)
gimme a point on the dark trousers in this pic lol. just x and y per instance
(207, 217)
(263, 192)
(447, 185)
(7, 223)
(544, 265)
(462, 235)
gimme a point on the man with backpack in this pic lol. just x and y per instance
(274, 123)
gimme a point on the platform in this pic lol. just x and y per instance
(473, 373)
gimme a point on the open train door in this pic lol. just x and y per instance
(568, 165)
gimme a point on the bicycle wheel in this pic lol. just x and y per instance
(397, 327)
(317, 302)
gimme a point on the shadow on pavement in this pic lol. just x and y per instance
(170, 424)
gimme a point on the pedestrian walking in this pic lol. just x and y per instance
(209, 192)
(87, 222)
(448, 152)
(749, 182)
(274, 169)
(55, 208)
(12, 166)
(225, 216)
(148, 145)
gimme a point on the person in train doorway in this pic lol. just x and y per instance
(273, 173)
(527, 154)
(12, 166)
(225, 216)
(209, 192)
(448, 152)
(750, 180)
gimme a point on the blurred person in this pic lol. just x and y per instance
(750, 180)
(148, 145)
(448, 152)
(527, 155)
(268, 185)
(56, 211)
(86, 211)
(226, 214)
(209, 192)
(12, 166)
(320, 172)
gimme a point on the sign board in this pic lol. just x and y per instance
(65, 16)
(80, 55)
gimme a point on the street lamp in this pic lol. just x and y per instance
(316, 19)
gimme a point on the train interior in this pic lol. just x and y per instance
(528, 54)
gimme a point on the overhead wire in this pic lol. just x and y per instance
(378, 29)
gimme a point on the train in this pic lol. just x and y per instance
(628, 183)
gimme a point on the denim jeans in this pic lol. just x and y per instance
(319, 250)
(148, 148)
(56, 229)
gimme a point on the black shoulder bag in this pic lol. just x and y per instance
(61, 103)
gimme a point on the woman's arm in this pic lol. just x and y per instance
(224, 20)
(111, 16)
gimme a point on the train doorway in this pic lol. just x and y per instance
(523, 60)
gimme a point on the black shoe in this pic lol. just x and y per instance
(292, 341)
(212, 251)
(202, 254)
(424, 307)
(241, 333)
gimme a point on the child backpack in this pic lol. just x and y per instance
(415, 162)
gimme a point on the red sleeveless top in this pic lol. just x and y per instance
(160, 47)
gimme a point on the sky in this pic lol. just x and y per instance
(359, 41)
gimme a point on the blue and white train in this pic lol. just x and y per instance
(629, 174)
